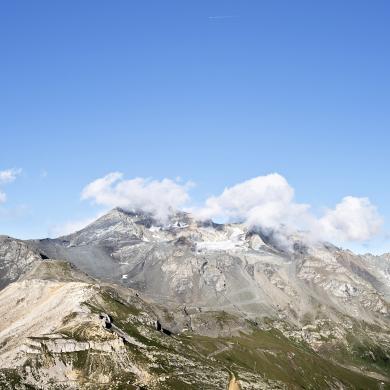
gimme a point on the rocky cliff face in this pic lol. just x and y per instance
(16, 258)
(230, 304)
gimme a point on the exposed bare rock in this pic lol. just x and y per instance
(227, 267)
(129, 302)
(16, 258)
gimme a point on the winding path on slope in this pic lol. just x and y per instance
(234, 384)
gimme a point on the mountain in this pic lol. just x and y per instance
(210, 266)
(190, 304)
(16, 258)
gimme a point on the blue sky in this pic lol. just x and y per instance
(216, 92)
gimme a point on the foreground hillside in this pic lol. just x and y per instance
(60, 329)
(130, 303)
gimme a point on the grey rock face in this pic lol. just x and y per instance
(226, 267)
(16, 258)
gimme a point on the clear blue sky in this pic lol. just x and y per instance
(212, 91)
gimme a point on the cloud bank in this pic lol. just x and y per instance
(268, 202)
(265, 202)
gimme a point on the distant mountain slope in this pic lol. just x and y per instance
(206, 265)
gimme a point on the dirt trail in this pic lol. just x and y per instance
(234, 384)
(218, 351)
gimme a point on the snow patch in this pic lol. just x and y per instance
(218, 245)
(154, 229)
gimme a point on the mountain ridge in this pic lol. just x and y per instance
(214, 283)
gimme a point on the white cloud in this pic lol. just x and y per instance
(157, 197)
(9, 175)
(266, 202)
(221, 17)
(353, 219)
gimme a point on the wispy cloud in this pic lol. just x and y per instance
(7, 176)
(3, 197)
(221, 17)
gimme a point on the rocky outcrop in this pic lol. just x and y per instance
(37, 345)
(16, 258)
